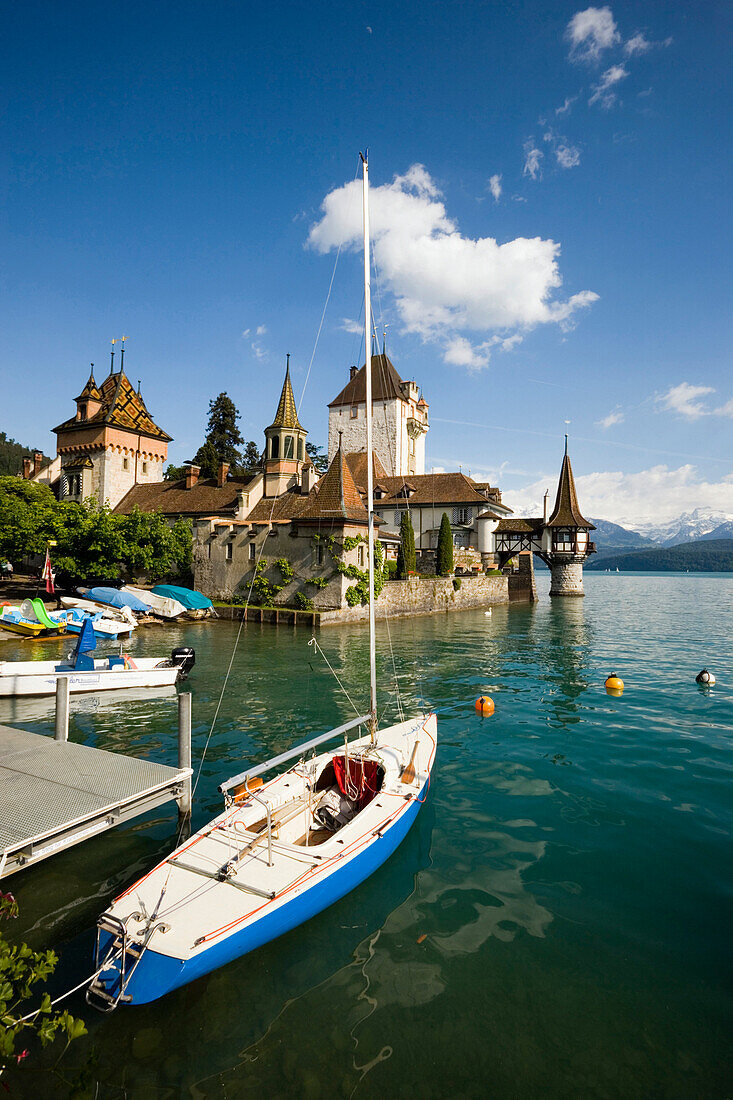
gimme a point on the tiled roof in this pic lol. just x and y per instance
(437, 489)
(271, 509)
(357, 461)
(287, 413)
(566, 512)
(336, 496)
(386, 384)
(172, 498)
(90, 390)
(520, 526)
(121, 407)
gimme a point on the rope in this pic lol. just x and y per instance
(105, 964)
(318, 649)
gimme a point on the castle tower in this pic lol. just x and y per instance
(565, 541)
(111, 443)
(285, 444)
(399, 424)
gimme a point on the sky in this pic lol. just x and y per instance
(550, 208)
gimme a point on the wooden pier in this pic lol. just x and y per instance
(54, 794)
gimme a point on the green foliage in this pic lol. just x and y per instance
(21, 969)
(406, 557)
(207, 457)
(444, 556)
(456, 583)
(319, 582)
(286, 570)
(28, 517)
(319, 460)
(391, 570)
(12, 455)
(264, 591)
(251, 460)
(302, 602)
(174, 473)
(222, 431)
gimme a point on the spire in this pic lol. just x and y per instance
(338, 497)
(566, 512)
(287, 413)
(91, 389)
(122, 354)
(112, 358)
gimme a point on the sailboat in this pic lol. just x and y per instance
(283, 849)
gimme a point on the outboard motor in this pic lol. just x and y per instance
(185, 657)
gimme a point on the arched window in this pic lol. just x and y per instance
(288, 447)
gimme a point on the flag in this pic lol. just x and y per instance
(47, 574)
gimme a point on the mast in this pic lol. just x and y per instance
(370, 468)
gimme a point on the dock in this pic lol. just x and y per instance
(55, 794)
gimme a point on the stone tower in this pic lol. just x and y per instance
(565, 543)
(399, 423)
(285, 452)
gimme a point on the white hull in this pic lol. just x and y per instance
(41, 677)
(118, 614)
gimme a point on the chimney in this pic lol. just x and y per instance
(222, 476)
(352, 372)
(192, 474)
(27, 468)
(37, 462)
(308, 477)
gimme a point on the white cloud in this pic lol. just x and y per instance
(495, 187)
(614, 417)
(245, 334)
(569, 101)
(446, 285)
(590, 32)
(656, 495)
(261, 330)
(348, 325)
(567, 156)
(461, 353)
(603, 91)
(725, 410)
(532, 160)
(637, 44)
(258, 351)
(684, 400)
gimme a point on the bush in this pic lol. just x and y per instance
(456, 583)
(302, 602)
(444, 556)
(406, 558)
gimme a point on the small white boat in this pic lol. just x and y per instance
(84, 673)
(162, 606)
(75, 617)
(120, 614)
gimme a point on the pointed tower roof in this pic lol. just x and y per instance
(566, 512)
(386, 384)
(121, 407)
(336, 496)
(287, 413)
(91, 389)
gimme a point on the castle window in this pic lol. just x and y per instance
(145, 467)
(300, 450)
(82, 412)
(74, 485)
(288, 453)
(230, 551)
(462, 515)
(252, 551)
(125, 463)
(397, 518)
(354, 411)
(319, 554)
(275, 446)
(360, 555)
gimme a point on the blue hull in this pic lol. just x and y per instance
(158, 974)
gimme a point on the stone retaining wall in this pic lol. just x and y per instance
(425, 596)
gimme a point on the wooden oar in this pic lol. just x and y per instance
(408, 775)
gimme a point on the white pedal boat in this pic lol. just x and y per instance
(119, 614)
(261, 867)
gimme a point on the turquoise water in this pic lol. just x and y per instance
(556, 923)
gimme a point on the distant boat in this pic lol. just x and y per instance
(165, 607)
(191, 600)
(115, 597)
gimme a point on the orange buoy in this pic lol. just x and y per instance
(484, 705)
(614, 685)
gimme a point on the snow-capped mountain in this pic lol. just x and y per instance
(687, 527)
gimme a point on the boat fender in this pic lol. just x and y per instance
(334, 810)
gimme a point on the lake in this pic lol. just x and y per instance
(556, 923)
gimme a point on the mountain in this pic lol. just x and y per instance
(687, 527)
(611, 538)
(724, 531)
(700, 556)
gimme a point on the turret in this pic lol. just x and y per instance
(285, 444)
(565, 537)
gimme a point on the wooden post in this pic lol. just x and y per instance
(184, 750)
(61, 732)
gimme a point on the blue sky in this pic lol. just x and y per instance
(551, 208)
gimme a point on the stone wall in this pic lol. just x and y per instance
(427, 595)
(567, 575)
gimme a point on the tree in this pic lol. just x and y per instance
(444, 556)
(250, 460)
(174, 473)
(207, 457)
(319, 460)
(222, 432)
(406, 558)
(28, 517)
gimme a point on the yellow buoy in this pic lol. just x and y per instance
(484, 705)
(614, 685)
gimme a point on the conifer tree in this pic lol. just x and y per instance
(444, 556)
(406, 558)
(207, 457)
(222, 432)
